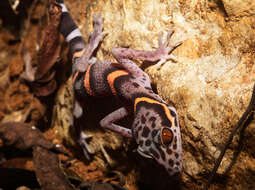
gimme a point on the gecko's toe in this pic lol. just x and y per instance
(87, 151)
(160, 39)
(172, 58)
(173, 47)
(117, 177)
(169, 35)
(106, 156)
(98, 22)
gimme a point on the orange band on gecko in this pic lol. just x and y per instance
(87, 82)
(151, 101)
(112, 76)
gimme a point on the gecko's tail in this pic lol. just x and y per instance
(70, 31)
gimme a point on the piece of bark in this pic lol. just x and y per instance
(50, 48)
(23, 136)
(48, 171)
(39, 67)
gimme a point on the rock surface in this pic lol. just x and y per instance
(211, 82)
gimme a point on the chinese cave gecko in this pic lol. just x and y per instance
(155, 126)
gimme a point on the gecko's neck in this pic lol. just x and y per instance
(147, 96)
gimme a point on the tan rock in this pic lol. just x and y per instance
(239, 8)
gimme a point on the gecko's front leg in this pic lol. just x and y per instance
(108, 122)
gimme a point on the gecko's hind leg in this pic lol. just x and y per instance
(81, 135)
(160, 55)
(124, 57)
(94, 39)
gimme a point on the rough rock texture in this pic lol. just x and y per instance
(211, 82)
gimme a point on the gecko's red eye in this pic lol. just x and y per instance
(166, 136)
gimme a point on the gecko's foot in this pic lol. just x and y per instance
(87, 151)
(115, 177)
(163, 52)
(107, 156)
(98, 22)
(97, 36)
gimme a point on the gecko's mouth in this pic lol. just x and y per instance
(143, 153)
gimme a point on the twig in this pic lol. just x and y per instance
(239, 124)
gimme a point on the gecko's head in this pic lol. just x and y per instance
(157, 133)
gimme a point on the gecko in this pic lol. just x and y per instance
(155, 127)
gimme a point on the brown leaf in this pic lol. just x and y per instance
(23, 136)
(48, 172)
(16, 65)
(46, 163)
(38, 67)
(47, 77)
(50, 48)
(44, 89)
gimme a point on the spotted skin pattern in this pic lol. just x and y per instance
(155, 127)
